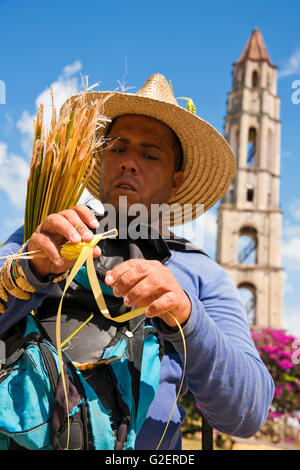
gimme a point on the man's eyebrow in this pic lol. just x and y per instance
(121, 139)
(142, 144)
(147, 145)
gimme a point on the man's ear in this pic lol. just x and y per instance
(177, 182)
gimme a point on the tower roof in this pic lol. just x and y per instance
(255, 49)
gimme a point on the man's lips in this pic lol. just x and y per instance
(125, 186)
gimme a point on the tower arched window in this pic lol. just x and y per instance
(247, 293)
(255, 79)
(247, 245)
(250, 192)
(251, 147)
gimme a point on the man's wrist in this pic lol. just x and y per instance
(173, 331)
(182, 317)
(35, 279)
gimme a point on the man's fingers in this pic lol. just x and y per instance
(81, 228)
(73, 225)
(163, 304)
(86, 215)
(126, 282)
(134, 269)
(54, 231)
(148, 283)
(68, 225)
(44, 242)
(96, 251)
(144, 291)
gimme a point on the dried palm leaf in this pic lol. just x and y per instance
(62, 158)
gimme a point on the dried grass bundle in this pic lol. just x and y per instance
(62, 158)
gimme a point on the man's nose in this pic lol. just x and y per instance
(129, 165)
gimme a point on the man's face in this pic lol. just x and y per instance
(139, 162)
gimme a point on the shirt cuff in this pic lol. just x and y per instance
(190, 328)
(36, 281)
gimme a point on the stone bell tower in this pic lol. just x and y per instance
(249, 216)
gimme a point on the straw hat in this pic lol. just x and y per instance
(208, 161)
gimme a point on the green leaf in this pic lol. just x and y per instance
(289, 378)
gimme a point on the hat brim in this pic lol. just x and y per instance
(208, 161)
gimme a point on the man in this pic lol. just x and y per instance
(159, 153)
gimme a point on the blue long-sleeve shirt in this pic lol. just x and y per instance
(224, 371)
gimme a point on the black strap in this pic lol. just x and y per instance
(207, 435)
(13, 445)
(135, 354)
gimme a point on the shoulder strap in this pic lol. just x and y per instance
(206, 435)
(135, 354)
(181, 244)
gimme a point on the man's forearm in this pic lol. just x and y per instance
(231, 385)
(224, 371)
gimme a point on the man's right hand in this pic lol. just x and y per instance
(68, 225)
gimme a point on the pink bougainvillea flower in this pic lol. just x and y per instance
(278, 390)
(285, 364)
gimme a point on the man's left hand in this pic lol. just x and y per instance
(148, 283)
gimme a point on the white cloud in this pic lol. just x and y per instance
(289, 230)
(65, 86)
(291, 66)
(8, 123)
(291, 320)
(25, 126)
(210, 225)
(202, 232)
(13, 224)
(294, 209)
(14, 171)
(290, 244)
(286, 154)
(25, 123)
(291, 253)
(72, 69)
(287, 286)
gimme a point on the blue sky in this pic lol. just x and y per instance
(193, 43)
